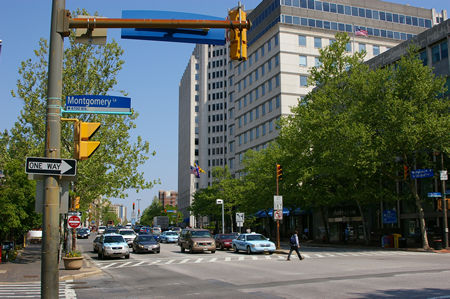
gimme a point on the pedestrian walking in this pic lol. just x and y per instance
(294, 246)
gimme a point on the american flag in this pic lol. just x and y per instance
(361, 32)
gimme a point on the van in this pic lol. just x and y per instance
(196, 240)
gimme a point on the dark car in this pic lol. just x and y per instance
(145, 243)
(82, 233)
(111, 230)
(224, 240)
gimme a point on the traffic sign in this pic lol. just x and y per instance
(278, 215)
(90, 103)
(434, 194)
(278, 202)
(422, 173)
(49, 166)
(389, 216)
(443, 175)
(74, 221)
(240, 217)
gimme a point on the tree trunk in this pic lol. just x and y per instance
(231, 221)
(366, 239)
(423, 230)
(325, 223)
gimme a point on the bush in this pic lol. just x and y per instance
(74, 253)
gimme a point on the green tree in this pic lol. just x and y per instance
(88, 69)
(155, 209)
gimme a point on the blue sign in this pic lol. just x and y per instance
(97, 103)
(434, 194)
(422, 173)
(389, 216)
(213, 36)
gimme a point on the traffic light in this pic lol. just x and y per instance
(238, 35)
(84, 148)
(133, 206)
(279, 172)
(76, 203)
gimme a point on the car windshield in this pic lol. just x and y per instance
(171, 234)
(126, 232)
(83, 230)
(201, 234)
(114, 239)
(256, 238)
(146, 238)
(228, 236)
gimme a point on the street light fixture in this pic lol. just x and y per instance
(220, 202)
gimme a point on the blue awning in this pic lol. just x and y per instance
(286, 212)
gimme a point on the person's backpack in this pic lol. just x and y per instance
(292, 240)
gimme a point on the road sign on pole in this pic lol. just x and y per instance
(51, 166)
(97, 103)
(74, 221)
(422, 173)
(278, 202)
(278, 214)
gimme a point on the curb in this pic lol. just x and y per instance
(87, 259)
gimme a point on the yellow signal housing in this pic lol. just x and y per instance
(279, 172)
(238, 36)
(84, 148)
(77, 203)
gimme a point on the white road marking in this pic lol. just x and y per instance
(107, 266)
(199, 260)
(124, 264)
(184, 261)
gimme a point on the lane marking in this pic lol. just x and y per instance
(184, 261)
(107, 266)
(124, 264)
(199, 260)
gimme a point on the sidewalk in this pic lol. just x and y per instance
(285, 247)
(27, 268)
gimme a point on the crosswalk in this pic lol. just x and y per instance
(231, 257)
(33, 290)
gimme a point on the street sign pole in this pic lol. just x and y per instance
(443, 178)
(50, 219)
(278, 221)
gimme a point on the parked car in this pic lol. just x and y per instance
(113, 245)
(252, 243)
(169, 237)
(145, 243)
(82, 233)
(128, 235)
(196, 240)
(96, 243)
(224, 240)
(101, 229)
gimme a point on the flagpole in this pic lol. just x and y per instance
(353, 42)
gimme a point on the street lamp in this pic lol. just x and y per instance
(220, 202)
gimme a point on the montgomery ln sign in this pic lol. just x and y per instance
(98, 103)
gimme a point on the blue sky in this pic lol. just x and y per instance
(151, 73)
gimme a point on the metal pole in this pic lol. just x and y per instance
(278, 221)
(444, 206)
(50, 234)
(223, 220)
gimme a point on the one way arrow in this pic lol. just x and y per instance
(65, 167)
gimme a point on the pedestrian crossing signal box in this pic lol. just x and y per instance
(83, 131)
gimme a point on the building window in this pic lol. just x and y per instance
(317, 62)
(348, 47)
(302, 40)
(317, 42)
(302, 60)
(376, 50)
(277, 102)
(362, 47)
(303, 81)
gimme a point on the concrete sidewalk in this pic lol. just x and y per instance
(27, 268)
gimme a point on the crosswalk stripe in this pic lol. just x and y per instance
(241, 258)
(319, 255)
(213, 260)
(33, 290)
(124, 264)
(107, 266)
(154, 262)
(138, 264)
(306, 255)
(199, 260)
(169, 262)
(268, 257)
(254, 258)
(227, 259)
(184, 261)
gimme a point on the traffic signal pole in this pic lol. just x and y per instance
(278, 221)
(50, 219)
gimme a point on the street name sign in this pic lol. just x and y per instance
(50, 166)
(434, 194)
(422, 173)
(74, 221)
(389, 216)
(96, 103)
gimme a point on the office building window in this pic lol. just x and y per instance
(362, 47)
(302, 60)
(376, 50)
(277, 102)
(303, 81)
(317, 42)
(317, 62)
(302, 40)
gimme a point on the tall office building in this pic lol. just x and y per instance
(228, 107)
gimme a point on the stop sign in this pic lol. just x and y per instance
(74, 221)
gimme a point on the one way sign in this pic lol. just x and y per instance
(49, 166)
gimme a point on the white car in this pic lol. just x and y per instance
(101, 229)
(128, 234)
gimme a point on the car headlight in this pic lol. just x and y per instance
(141, 246)
(108, 247)
(253, 245)
(195, 244)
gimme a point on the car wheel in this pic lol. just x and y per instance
(182, 248)
(235, 249)
(271, 252)
(127, 256)
(213, 251)
(190, 249)
(157, 251)
(249, 251)
(100, 255)
(221, 247)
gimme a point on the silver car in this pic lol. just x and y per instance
(96, 243)
(113, 245)
(128, 234)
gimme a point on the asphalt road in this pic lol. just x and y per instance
(325, 273)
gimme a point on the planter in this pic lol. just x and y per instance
(73, 263)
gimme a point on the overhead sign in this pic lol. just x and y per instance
(422, 173)
(434, 194)
(213, 36)
(97, 103)
(389, 216)
(49, 166)
(74, 221)
(278, 202)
